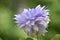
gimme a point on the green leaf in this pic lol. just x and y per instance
(56, 37)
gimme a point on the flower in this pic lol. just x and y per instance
(33, 20)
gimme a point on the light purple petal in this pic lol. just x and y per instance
(32, 20)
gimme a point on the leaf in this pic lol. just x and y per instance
(56, 37)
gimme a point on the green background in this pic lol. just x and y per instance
(8, 27)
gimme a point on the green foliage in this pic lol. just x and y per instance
(29, 39)
(0, 38)
(56, 37)
(7, 30)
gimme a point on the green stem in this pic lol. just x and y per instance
(38, 36)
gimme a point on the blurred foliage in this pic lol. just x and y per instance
(29, 39)
(56, 37)
(8, 28)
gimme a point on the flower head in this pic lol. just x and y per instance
(33, 20)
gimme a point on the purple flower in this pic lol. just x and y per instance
(33, 20)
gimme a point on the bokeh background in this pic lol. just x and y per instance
(8, 27)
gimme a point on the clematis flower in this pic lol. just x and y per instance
(33, 20)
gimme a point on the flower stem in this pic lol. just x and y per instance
(38, 36)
